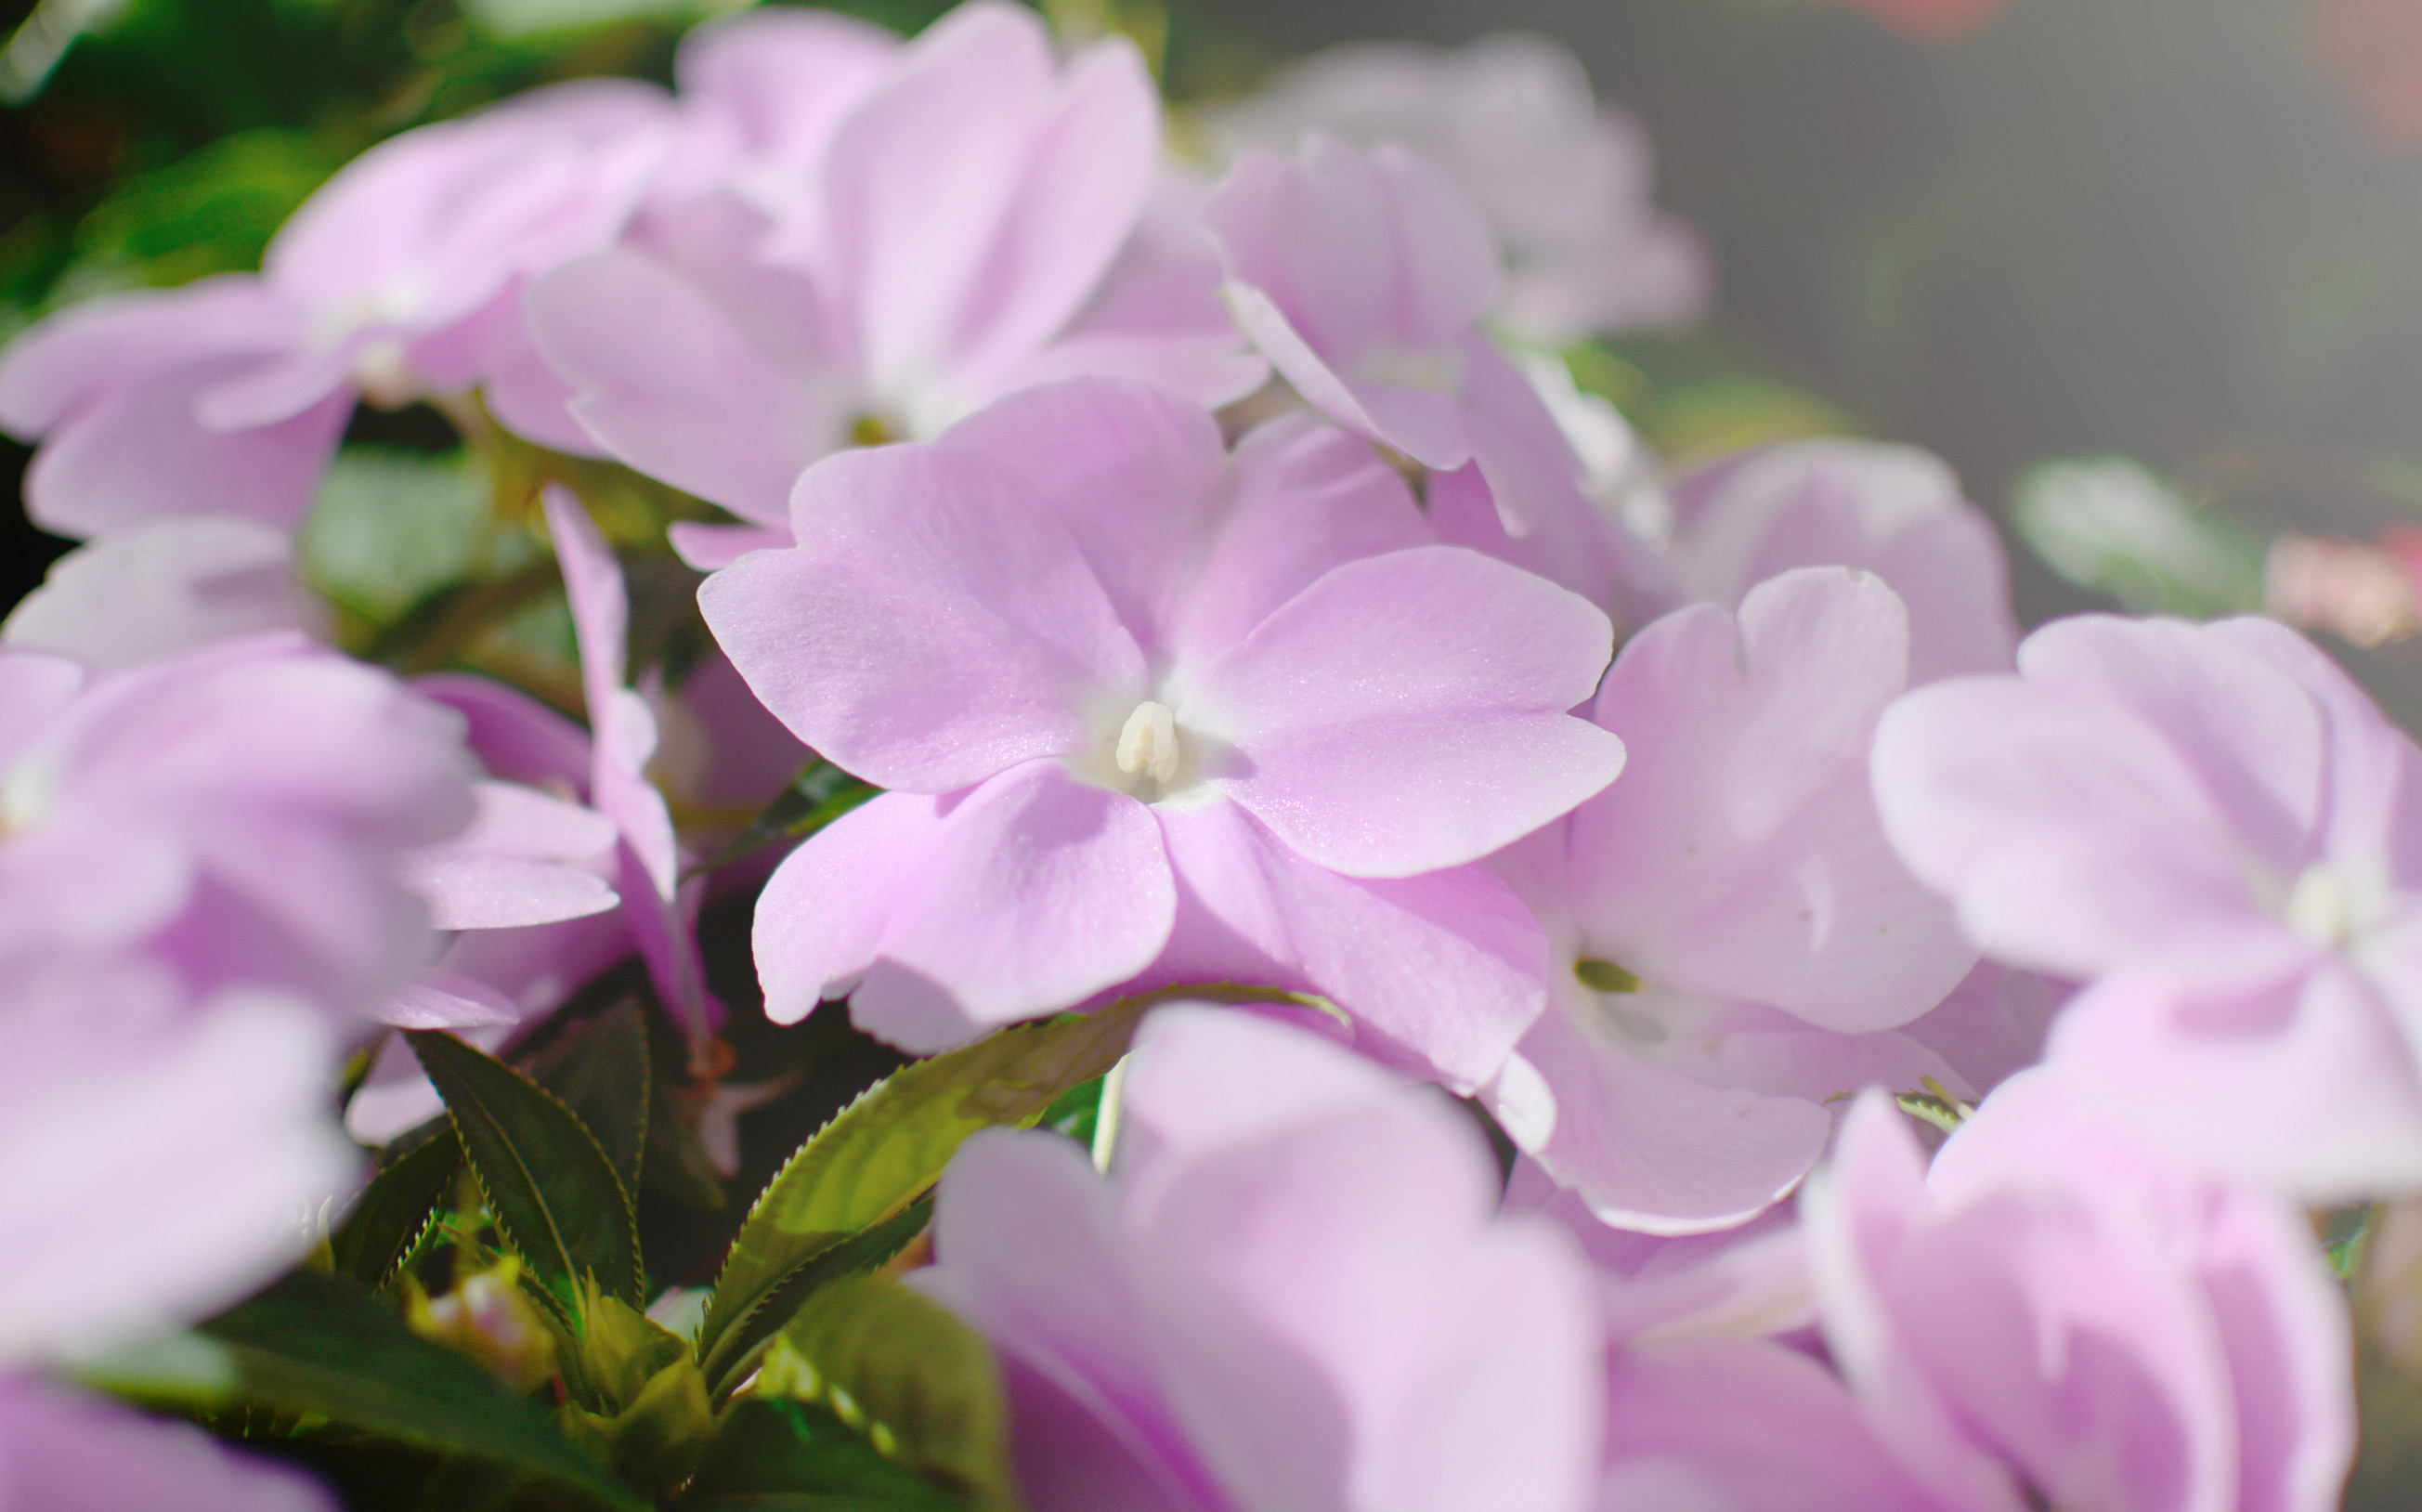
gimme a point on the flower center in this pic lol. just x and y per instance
(2332, 904)
(1148, 741)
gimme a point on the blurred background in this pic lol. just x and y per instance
(2144, 270)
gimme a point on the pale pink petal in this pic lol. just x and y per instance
(710, 548)
(2202, 695)
(1892, 511)
(531, 399)
(442, 999)
(1739, 1425)
(1138, 496)
(139, 454)
(1087, 173)
(1041, 891)
(1386, 739)
(956, 627)
(785, 77)
(819, 919)
(514, 736)
(1026, 1252)
(920, 175)
(526, 858)
(66, 1451)
(2375, 773)
(210, 1125)
(1289, 1359)
(1651, 1149)
(1740, 854)
(1304, 498)
(2307, 1088)
(672, 385)
(2074, 836)
(1441, 973)
(163, 586)
(88, 351)
(34, 685)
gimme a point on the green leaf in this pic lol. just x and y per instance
(879, 1154)
(2111, 525)
(313, 1346)
(391, 529)
(1076, 1113)
(396, 1210)
(551, 1189)
(905, 1371)
(821, 793)
(797, 1457)
(882, 1151)
(602, 1070)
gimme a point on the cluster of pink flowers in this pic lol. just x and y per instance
(1203, 559)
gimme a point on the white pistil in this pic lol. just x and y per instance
(1148, 741)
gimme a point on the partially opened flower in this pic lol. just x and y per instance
(1364, 277)
(1150, 712)
(1894, 511)
(236, 815)
(1563, 179)
(1292, 1292)
(2217, 828)
(398, 280)
(529, 884)
(2052, 1316)
(962, 214)
(1731, 937)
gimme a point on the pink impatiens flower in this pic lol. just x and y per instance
(961, 217)
(1363, 279)
(2214, 827)
(1153, 712)
(1732, 939)
(1293, 1291)
(1563, 179)
(1894, 511)
(398, 280)
(236, 815)
(2054, 1316)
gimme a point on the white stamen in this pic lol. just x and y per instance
(1148, 742)
(2330, 905)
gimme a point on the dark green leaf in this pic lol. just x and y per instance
(821, 793)
(395, 1211)
(901, 1369)
(550, 1187)
(601, 1069)
(315, 1346)
(880, 1152)
(798, 1457)
(1076, 1112)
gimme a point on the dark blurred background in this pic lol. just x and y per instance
(2181, 230)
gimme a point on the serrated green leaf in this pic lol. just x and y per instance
(904, 1371)
(395, 1210)
(315, 1346)
(798, 1457)
(602, 1070)
(882, 1151)
(550, 1187)
(861, 1252)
